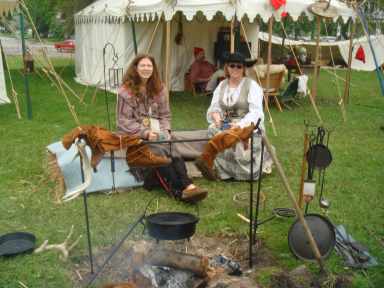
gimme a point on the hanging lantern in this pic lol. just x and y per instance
(115, 74)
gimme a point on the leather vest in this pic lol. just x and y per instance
(241, 107)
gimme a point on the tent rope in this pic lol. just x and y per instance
(341, 102)
(153, 35)
(51, 67)
(317, 112)
(258, 79)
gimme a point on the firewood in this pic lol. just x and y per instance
(196, 264)
(121, 285)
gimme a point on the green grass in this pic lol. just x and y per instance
(354, 181)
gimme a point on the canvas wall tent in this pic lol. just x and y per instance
(3, 89)
(5, 7)
(108, 21)
(339, 49)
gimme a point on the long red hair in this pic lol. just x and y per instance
(132, 79)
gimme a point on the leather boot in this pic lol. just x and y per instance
(219, 143)
(142, 156)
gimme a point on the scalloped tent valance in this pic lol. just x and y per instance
(148, 10)
(7, 5)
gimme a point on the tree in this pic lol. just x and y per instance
(42, 13)
(67, 10)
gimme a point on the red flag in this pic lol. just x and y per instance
(277, 3)
(360, 54)
(284, 14)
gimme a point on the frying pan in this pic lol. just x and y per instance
(17, 243)
(322, 231)
(318, 155)
(171, 225)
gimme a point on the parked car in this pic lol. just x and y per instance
(65, 46)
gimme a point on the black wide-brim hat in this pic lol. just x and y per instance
(237, 57)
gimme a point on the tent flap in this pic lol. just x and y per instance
(7, 6)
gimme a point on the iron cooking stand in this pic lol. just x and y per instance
(131, 227)
(254, 222)
(85, 202)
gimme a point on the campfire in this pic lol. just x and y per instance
(176, 264)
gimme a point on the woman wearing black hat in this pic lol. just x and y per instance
(237, 102)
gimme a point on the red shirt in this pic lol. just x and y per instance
(201, 69)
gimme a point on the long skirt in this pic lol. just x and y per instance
(235, 162)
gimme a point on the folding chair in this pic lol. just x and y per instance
(275, 82)
(288, 95)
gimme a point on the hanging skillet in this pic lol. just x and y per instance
(17, 243)
(322, 231)
(318, 155)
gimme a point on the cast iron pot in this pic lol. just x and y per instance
(171, 225)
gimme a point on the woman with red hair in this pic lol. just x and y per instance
(143, 110)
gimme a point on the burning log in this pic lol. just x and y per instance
(196, 264)
(121, 285)
(145, 253)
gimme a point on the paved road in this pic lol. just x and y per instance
(12, 46)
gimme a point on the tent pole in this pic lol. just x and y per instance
(134, 36)
(317, 56)
(364, 24)
(26, 82)
(236, 27)
(232, 47)
(167, 55)
(348, 80)
(153, 35)
(299, 213)
(269, 60)
(303, 168)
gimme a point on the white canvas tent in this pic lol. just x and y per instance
(5, 7)
(108, 21)
(342, 47)
(3, 89)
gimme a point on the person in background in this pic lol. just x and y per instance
(201, 70)
(143, 110)
(216, 78)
